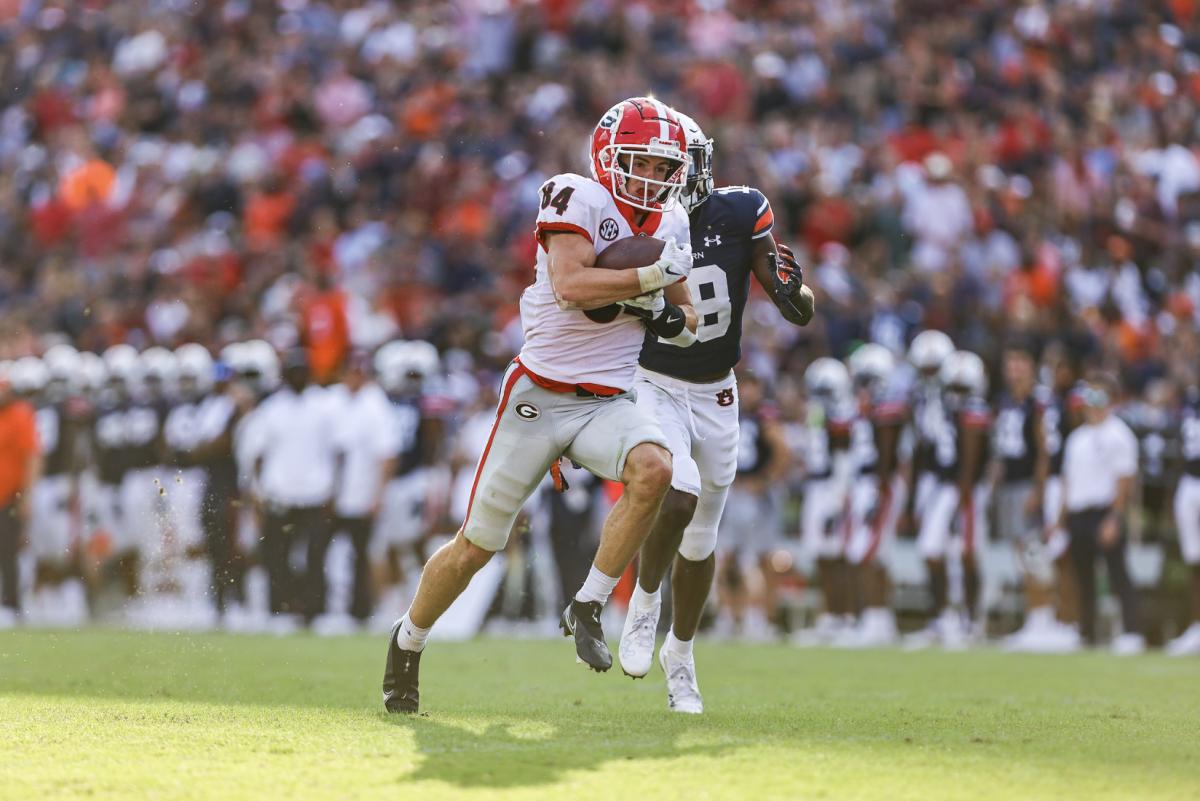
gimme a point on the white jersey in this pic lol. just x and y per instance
(563, 344)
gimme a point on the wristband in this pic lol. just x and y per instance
(669, 322)
(651, 277)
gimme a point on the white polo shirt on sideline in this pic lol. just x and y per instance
(295, 436)
(1095, 458)
(367, 437)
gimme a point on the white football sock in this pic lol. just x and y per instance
(411, 637)
(597, 587)
(645, 600)
(677, 647)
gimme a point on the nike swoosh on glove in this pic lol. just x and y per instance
(674, 265)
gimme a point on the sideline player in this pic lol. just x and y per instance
(828, 478)
(956, 519)
(880, 452)
(1187, 517)
(568, 391)
(693, 394)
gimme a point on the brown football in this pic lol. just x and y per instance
(630, 253)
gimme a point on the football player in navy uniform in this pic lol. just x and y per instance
(957, 514)
(416, 492)
(828, 473)
(111, 453)
(880, 455)
(53, 536)
(144, 511)
(926, 353)
(750, 528)
(1061, 413)
(1187, 517)
(1152, 418)
(692, 392)
(1018, 440)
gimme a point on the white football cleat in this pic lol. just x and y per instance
(636, 651)
(683, 693)
(876, 629)
(1186, 644)
(1129, 645)
(954, 631)
(1039, 626)
(828, 628)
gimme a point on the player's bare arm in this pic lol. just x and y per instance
(679, 295)
(576, 285)
(778, 273)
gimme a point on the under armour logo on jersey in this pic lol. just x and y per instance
(712, 241)
(608, 229)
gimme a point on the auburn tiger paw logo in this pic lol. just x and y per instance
(725, 397)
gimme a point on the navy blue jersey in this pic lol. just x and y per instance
(1014, 437)
(971, 414)
(108, 442)
(1154, 428)
(927, 414)
(55, 434)
(143, 426)
(755, 451)
(415, 416)
(1059, 419)
(1189, 436)
(724, 228)
(406, 412)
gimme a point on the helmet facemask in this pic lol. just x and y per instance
(656, 195)
(699, 183)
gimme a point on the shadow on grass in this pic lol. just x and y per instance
(498, 756)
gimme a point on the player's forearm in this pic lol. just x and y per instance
(681, 296)
(691, 320)
(581, 288)
(797, 310)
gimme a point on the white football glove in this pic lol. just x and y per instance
(648, 305)
(673, 266)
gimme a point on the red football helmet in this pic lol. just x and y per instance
(649, 127)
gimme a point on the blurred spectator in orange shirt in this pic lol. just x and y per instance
(326, 329)
(268, 213)
(19, 466)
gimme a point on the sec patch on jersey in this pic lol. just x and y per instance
(630, 253)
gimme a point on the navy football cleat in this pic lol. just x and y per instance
(583, 620)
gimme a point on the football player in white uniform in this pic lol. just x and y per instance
(568, 392)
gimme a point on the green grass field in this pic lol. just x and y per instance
(103, 714)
